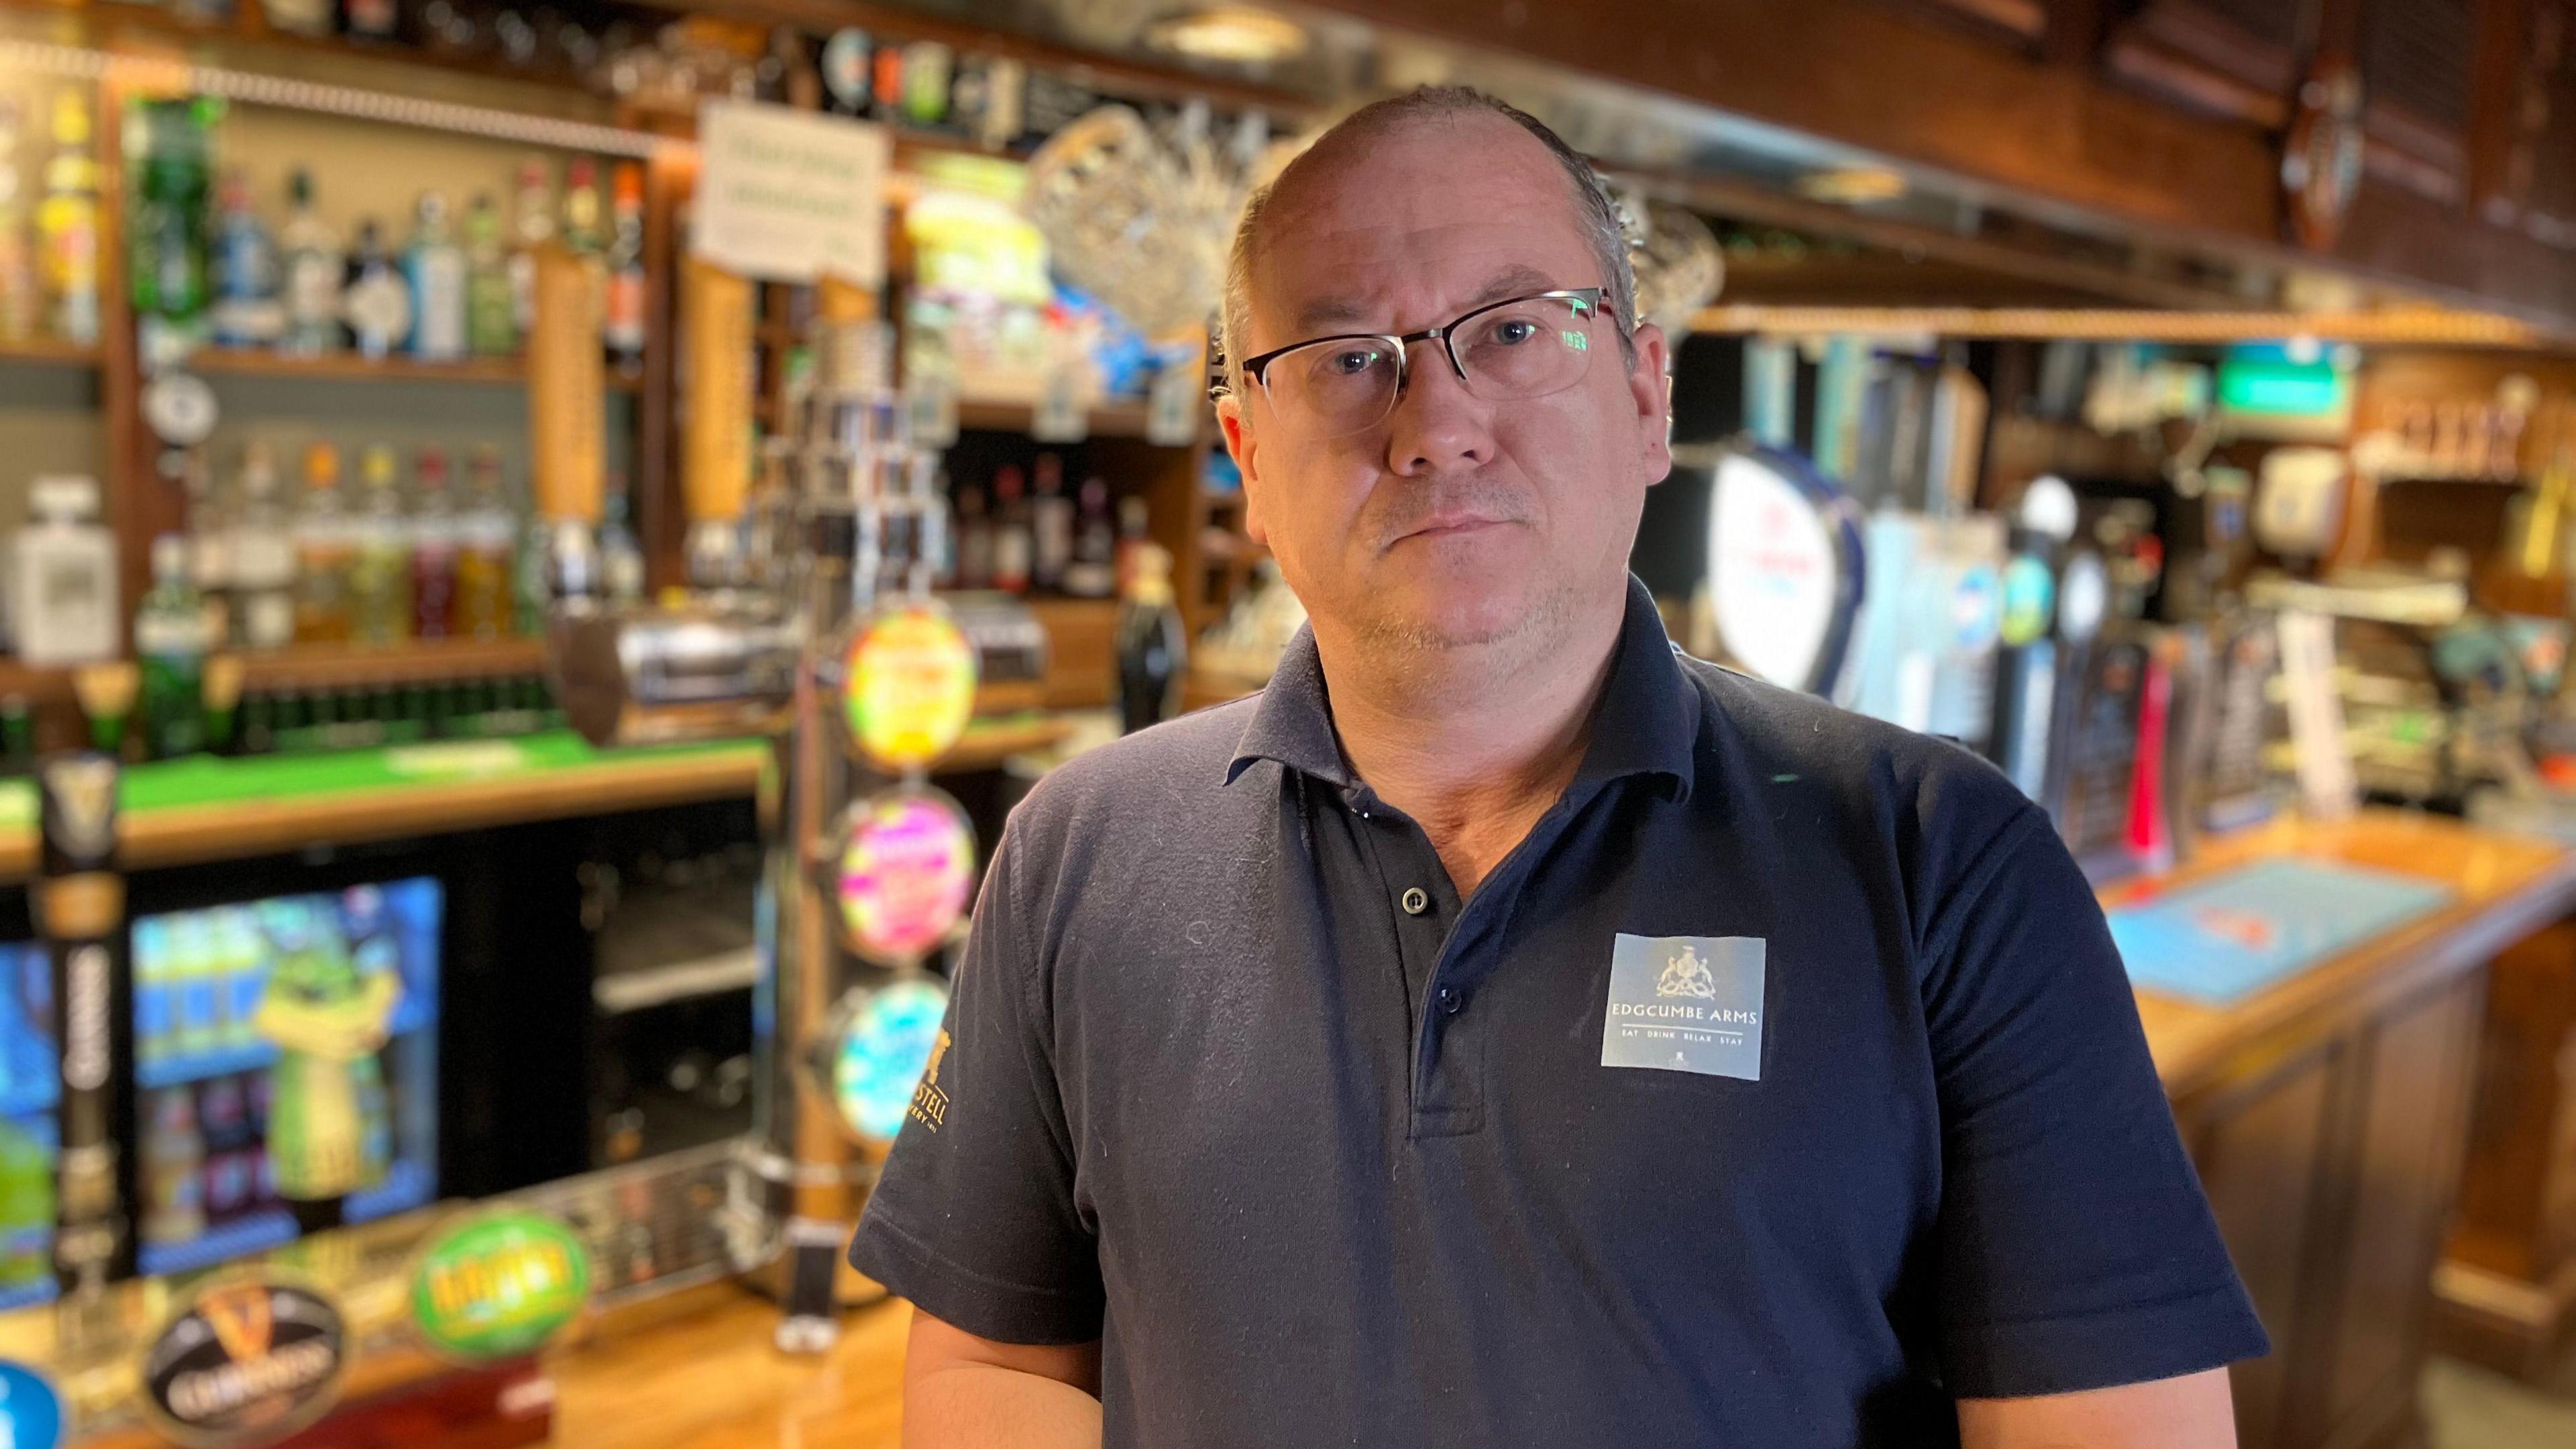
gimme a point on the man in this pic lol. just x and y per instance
(1504, 1031)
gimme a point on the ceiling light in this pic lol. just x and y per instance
(1235, 34)
(1851, 185)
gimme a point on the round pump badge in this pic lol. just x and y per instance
(246, 1360)
(910, 685)
(907, 863)
(884, 1063)
(499, 1285)
(31, 1410)
(2029, 595)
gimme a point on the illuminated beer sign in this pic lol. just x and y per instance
(499, 1285)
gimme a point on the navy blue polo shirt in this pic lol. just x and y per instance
(1782, 1085)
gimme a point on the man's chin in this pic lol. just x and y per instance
(1452, 618)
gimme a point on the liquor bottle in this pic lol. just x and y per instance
(1050, 526)
(323, 552)
(1012, 544)
(171, 641)
(536, 227)
(846, 71)
(166, 216)
(314, 272)
(1152, 647)
(62, 577)
(583, 233)
(377, 301)
(531, 595)
(433, 547)
(1133, 534)
(247, 313)
(380, 570)
(173, 1155)
(315, 18)
(370, 19)
(623, 326)
(1093, 571)
(21, 301)
(974, 540)
(209, 544)
(435, 266)
(67, 224)
(621, 560)
(491, 312)
(262, 556)
(486, 538)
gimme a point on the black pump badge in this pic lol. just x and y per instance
(245, 1361)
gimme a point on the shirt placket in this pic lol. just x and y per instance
(1444, 1079)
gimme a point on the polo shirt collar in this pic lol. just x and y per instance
(1647, 722)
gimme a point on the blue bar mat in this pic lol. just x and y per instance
(2222, 938)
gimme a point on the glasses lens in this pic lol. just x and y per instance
(1335, 387)
(1526, 349)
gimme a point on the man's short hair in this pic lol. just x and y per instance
(1594, 209)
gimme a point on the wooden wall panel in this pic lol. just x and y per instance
(2259, 1153)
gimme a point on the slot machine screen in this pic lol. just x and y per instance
(286, 1068)
(30, 1091)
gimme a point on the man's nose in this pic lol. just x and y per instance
(1437, 425)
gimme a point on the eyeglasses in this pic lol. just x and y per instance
(1528, 347)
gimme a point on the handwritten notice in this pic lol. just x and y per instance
(790, 196)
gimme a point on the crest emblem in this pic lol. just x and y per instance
(83, 793)
(1687, 975)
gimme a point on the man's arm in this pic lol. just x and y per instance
(965, 1392)
(2190, 1412)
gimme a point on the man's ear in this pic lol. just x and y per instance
(1246, 453)
(1650, 387)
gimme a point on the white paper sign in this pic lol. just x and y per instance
(1773, 570)
(2326, 782)
(790, 196)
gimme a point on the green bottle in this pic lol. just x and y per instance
(171, 640)
(491, 304)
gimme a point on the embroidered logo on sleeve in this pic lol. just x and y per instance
(1685, 1004)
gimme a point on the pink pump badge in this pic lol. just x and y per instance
(906, 868)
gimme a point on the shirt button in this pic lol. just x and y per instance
(1452, 1000)
(1416, 900)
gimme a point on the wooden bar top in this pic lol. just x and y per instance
(2505, 887)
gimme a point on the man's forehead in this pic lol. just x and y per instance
(1471, 214)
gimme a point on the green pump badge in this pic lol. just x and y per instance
(499, 1285)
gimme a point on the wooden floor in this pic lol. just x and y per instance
(711, 1380)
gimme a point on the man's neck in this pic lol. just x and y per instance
(1473, 744)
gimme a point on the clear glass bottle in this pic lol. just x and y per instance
(1050, 527)
(377, 300)
(487, 538)
(433, 547)
(535, 227)
(380, 566)
(246, 312)
(263, 557)
(62, 583)
(622, 326)
(434, 265)
(315, 268)
(621, 559)
(324, 551)
(491, 313)
(171, 641)
(1012, 544)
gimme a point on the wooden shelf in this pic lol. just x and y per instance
(1117, 418)
(349, 367)
(47, 351)
(420, 661)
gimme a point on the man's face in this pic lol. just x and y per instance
(1456, 521)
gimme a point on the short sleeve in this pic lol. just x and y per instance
(2075, 1247)
(973, 1218)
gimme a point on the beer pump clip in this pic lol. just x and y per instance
(1786, 570)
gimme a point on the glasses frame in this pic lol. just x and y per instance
(1258, 368)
